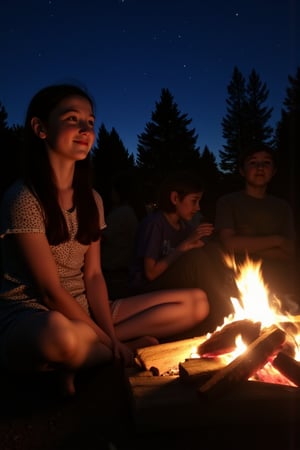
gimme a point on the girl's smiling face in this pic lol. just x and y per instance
(69, 131)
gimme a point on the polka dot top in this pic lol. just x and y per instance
(22, 213)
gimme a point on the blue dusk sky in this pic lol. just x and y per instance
(125, 51)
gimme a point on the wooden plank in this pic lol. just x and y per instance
(199, 369)
(161, 358)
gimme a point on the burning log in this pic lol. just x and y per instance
(223, 341)
(199, 369)
(241, 368)
(288, 366)
(290, 346)
(291, 327)
(163, 357)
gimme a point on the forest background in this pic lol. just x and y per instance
(168, 142)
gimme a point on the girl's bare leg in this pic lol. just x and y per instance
(50, 341)
(160, 313)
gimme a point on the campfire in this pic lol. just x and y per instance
(259, 342)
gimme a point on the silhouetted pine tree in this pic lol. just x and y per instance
(167, 142)
(10, 145)
(211, 177)
(246, 121)
(3, 118)
(3, 147)
(258, 115)
(288, 145)
(234, 122)
(209, 167)
(109, 157)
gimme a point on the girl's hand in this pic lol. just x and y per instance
(122, 354)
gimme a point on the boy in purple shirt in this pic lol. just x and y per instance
(166, 234)
(171, 252)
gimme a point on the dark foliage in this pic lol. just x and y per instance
(288, 145)
(11, 140)
(167, 142)
(110, 158)
(246, 121)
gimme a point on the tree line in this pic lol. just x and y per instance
(168, 143)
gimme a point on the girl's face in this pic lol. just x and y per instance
(69, 131)
(187, 207)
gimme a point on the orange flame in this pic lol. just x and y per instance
(256, 303)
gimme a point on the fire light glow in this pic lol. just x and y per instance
(256, 303)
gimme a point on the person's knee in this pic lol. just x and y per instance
(59, 339)
(200, 302)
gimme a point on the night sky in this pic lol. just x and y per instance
(125, 51)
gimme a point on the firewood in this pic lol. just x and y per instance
(290, 346)
(223, 341)
(246, 364)
(290, 327)
(288, 366)
(199, 369)
(162, 357)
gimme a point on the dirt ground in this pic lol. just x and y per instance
(33, 416)
(101, 417)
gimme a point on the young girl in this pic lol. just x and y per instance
(54, 307)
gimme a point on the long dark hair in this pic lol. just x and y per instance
(38, 174)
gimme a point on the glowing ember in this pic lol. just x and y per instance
(269, 374)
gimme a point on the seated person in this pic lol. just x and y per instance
(168, 232)
(55, 313)
(172, 253)
(255, 223)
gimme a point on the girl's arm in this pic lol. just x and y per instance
(98, 300)
(40, 262)
(96, 289)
